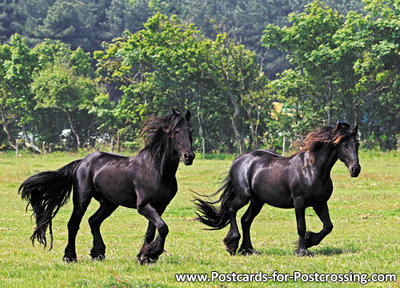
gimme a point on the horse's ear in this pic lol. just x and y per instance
(176, 112)
(188, 114)
(339, 125)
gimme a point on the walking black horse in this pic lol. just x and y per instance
(299, 181)
(146, 182)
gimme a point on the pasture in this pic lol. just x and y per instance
(365, 212)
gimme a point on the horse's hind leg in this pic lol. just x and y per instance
(106, 209)
(247, 220)
(313, 239)
(231, 240)
(80, 205)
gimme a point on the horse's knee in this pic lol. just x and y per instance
(328, 228)
(163, 230)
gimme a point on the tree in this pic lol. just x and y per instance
(12, 19)
(74, 22)
(320, 44)
(18, 64)
(173, 64)
(379, 66)
(58, 87)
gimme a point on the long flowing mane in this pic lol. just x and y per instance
(153, 130)
(332, 135)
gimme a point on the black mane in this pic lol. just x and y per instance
(155, 128)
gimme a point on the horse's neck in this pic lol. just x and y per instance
(169, 161)
(163, 160)
(325, 158)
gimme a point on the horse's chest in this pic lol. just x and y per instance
(167, 191)
(320, 191)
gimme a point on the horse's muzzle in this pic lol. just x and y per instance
(355, 170)
(188, 158)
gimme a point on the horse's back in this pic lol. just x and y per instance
(263, 174)
(242, 169)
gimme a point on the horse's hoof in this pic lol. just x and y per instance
(147, 259)
(68, 259)
(98, 257)
(303, 252)
(249, 252)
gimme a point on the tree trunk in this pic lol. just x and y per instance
(78, 140)
(236, 106)
(398, 144)
(235, 119)
(201, 133)
(253, 127)
(10, 139)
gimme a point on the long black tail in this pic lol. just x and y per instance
(209, 215)
(46, 192)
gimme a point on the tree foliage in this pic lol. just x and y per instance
(349, 64)
(252, 72)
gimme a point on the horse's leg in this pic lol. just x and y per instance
(299, 208)
(148, 238)
(231, 240)
(323, 214)
(106, 209)
(150, 234)
(80, 205)
(247, 220)
(150, 253)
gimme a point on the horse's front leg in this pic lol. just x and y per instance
(149, 253)
(148, 238)
(301, 227)
(313, 239)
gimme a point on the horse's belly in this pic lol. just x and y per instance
(274, 193)
(117, 188)
(276, 199)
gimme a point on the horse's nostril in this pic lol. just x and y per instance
(355, 170)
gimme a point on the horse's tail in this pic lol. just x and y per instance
(46, 192)
(209, 215)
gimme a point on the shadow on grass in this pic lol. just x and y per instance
(317, 251)
(330, 251)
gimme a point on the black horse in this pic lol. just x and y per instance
(299, 181)
(146, 182)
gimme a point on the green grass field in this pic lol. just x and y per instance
(365, 212)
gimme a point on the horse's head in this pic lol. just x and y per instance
(348, 147)
(180, 132)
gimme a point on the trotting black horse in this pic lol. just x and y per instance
(299, 181)
(146, 182)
